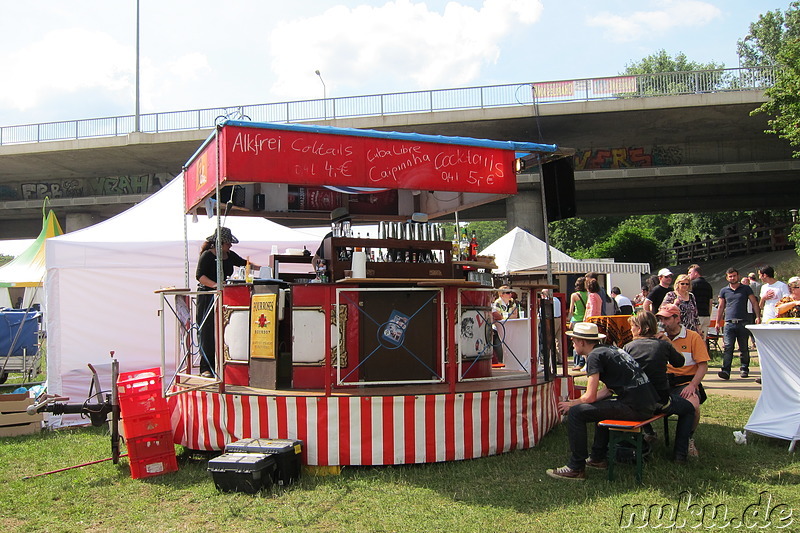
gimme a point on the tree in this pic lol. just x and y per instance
(661, 61)
(774, 40)
(768, 36)
(629, 244)
(784, 97)
(707, 77)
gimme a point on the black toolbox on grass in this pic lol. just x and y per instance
(286, 453)
(242, 472)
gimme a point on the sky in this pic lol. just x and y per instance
(70, 60)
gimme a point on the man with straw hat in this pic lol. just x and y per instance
(628, 395)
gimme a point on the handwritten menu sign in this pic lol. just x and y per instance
(251, 154)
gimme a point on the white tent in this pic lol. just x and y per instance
(520, 250)
(101, 281)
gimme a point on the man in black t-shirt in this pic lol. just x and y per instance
(703, 295)
(732, 312)
(628, 395)
(657, 293)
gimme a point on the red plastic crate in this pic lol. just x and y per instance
(150, 446)
(153, 466)
(141, 403)
(147, 424)
(139, 382)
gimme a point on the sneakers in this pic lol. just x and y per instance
(693, 449)
(600, 465)
(679, 460)
(566, 472)
(744, 373)
(724, 374)
(206, 374)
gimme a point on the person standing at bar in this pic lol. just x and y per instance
(206, 275)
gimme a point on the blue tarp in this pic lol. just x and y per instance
(19, 327)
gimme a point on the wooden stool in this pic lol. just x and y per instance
(630, 431)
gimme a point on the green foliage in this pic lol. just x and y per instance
(661, 61)
(768, 36)
(485, 231)
(686, 227)
(794, 237)
(575, 236)
(629, 244)
(784, 102)
(775, 40)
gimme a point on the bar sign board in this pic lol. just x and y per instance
(263, 325)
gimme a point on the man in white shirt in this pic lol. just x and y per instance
(772, 290)
(623, 302)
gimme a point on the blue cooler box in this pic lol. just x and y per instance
(285, 451)
(242, 472)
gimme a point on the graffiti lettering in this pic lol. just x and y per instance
(77, 188)
(616, 158)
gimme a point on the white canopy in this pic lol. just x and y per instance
(101, 281)
(520, 250)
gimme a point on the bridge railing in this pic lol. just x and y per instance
(520, 94)
(761, 239)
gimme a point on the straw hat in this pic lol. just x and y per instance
(586, 330)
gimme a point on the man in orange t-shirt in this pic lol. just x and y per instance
(685, 380)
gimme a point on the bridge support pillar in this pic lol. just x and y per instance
(76, 221)
(524, 209)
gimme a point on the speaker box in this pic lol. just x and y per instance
(559, 188)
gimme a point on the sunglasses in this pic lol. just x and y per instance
(507, 292)
(683, 284)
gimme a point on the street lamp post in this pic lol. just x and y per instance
(324, 88)
(324, 95)
(137, 123)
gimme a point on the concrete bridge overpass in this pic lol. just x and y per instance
(660, 154)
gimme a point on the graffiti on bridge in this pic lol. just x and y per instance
(85, 187)
(628, 157)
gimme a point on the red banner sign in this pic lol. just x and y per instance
(309, 158)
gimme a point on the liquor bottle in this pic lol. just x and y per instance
(464, 246)
(456, 249)
(473, 248)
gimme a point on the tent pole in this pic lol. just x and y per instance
(544, 220)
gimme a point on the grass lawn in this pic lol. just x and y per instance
(510, 492)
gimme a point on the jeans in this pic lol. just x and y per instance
(684, 409)
(736, 332)
(581, 414)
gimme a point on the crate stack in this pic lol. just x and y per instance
(146, 423)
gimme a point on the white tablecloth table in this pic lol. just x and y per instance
(777, 411)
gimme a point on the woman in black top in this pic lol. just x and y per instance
(206, 275)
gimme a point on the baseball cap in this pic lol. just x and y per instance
(668, 310)
(664, 272)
